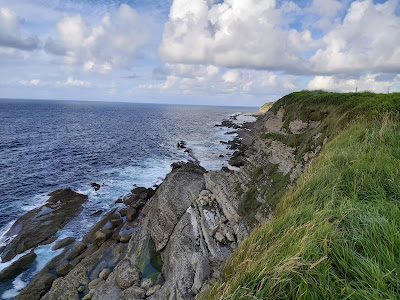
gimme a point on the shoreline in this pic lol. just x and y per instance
(55, 256)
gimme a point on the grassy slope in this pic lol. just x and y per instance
(336, 234)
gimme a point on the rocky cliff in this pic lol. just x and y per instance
(172, 244)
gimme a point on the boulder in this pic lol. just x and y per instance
(64, 269)
(81, 288)
(100, 237)
(63, 243)
(122, 212)
(125, 238)
(116, 222)
(130, 214)
(146, 283)
(152, 290)
(127, 274)
(104, 274)
(76, 251)
(133, 292)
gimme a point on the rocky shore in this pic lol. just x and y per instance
(165, 243)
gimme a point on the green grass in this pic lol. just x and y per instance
(336, 233)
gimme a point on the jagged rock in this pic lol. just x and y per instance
(133, 292)
(21, 263)
(116, 222)
(127, 274)
(131, 213)
(180, 188)
(63, 243)
(219, 237)
(201, 265)
(64, 269)
(122, 212)
(104, 274)
(94, 283)
(95, 186)
(146, 283)
(181, 145)
(230, 237)
(213, 230)
(43, 222)
(297, 126)
(116, 236)
(125, 238)
(152, 290)
(100, 237)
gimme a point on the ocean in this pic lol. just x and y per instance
(48, 145)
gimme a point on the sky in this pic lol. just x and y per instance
(213, 52)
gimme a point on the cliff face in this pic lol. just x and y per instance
(187, 230)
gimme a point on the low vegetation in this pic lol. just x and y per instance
(336, 233)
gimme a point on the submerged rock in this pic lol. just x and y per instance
(18, 265)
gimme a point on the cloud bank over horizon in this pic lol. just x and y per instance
(202, 51)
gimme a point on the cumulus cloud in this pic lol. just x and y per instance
(10, 32)
(233, 33)
(367, 39)
(257, 34)
(115, 42)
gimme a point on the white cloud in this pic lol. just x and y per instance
(10, 32)
(367, 39)
(234, 33)
(32, 82)
(70, 81)
(368, 82)
(115, 42)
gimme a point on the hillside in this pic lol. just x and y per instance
(335, 232)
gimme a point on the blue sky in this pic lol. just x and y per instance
(225, 52)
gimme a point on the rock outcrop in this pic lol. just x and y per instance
(40, 224)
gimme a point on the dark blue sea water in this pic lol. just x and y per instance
(47, 145)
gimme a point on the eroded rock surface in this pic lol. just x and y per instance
(41, 223)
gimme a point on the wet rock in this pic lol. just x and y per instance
(100, 237)
(39, 285)
(152, 290)
(63, 243)
(181, 145)
(130, 214)
(48, 241)
(95, 186)
(125, 238)
(133, 292)
(104, 274)
(122, 212)
(118, 201)
(146, 283)
(64, 269)
(18, 265)
(77, 250)
(127, 274)
(96, 213)
(43, 222)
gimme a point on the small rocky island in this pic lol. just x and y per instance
(165, 243)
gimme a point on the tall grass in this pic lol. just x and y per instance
(336, 233)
